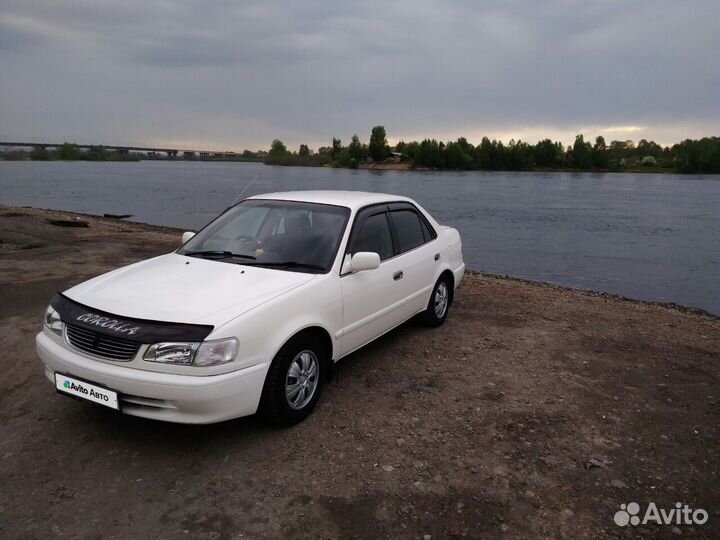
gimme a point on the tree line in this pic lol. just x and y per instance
(70, 152)
(688, 156)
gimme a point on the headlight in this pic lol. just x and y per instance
(207, 353)
(213, 353)
(52, 321)
(172, 353)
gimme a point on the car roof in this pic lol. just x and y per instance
(350, 199)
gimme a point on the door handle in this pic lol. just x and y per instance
(437, 256)
(398, 275)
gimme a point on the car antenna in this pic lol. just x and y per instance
(243, 191)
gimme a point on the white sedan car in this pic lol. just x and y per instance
(250, 314)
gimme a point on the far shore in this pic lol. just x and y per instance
(406, 166)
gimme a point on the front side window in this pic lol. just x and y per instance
(374, 236)
(409, 229)
(288, 235)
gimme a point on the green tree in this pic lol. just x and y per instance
(649, 148)
(342, 158)
(278, 148)
(519, 156)
(548, 154)
(452, 156)
(435, 154)
(411, 149)
(69, 151)
(378, 147)
(485, 155)
(40, 154)
(336, 147)
(355, 149)
(325, 150)
(581, 153)
(600, 157)
(278, 154)
(304, 150)
(700, 156)
(458, 155)
(97, 153)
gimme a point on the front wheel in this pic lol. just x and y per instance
(294, 381)
(439, 304)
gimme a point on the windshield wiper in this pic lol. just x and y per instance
(220, 254)
(288, 264)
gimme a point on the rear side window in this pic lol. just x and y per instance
(426, 231)
(409, 229)
(374, 236)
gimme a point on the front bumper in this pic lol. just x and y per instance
(162, 396)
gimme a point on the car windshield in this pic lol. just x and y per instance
(286, 235)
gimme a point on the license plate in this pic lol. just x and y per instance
(86, 390)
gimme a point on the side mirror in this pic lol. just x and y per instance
(187, 236)
(364, 260)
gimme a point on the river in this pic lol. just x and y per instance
(646, 236)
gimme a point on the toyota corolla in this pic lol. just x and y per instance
(249, 314)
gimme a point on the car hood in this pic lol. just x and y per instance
(176, 288)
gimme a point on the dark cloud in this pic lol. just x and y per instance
(238, 74)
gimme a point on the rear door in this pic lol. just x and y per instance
(373, 300)
(418, 253)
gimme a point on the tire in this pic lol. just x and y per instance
(439, 303)
(285, 400)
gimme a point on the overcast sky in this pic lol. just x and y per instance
(231, 74)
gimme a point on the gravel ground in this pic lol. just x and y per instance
(534, 412)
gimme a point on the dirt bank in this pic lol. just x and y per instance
(384, 166)
(534, 412)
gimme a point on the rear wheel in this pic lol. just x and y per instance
(294, 382)
(439, 304)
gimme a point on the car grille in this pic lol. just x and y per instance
(100, 344)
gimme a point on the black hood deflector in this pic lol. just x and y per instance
(138, 330)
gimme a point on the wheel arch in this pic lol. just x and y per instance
(447, 274)
(323, 336)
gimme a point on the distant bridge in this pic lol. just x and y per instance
(151, 151)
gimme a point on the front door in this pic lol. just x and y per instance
(373, 300)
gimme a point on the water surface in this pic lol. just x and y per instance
(647, 236)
